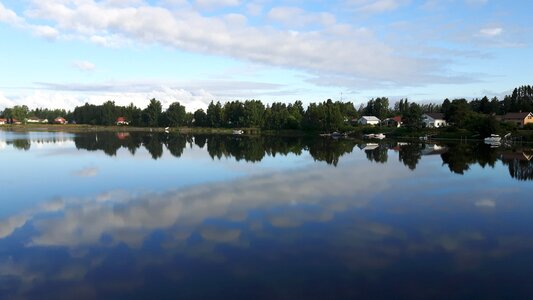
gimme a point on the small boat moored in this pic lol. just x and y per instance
(238, 132)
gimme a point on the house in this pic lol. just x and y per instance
(368, 120)
(15, 121)
(34, 120)
(3, 121)
(521, 119)
(392, 122)
(122, 121)
(60, 120)
(434, 120)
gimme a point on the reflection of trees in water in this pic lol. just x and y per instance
(410, 154)
(519, 164)
(379, 155)
(330, 150)
(22, 144)
(154, 145)
(460, 156)
(250, 149)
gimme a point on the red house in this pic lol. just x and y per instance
(122, 121)
(60, 120)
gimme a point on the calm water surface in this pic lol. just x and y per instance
(163, 216)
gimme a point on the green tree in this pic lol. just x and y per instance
(214, 114)
(412, 117)
(200, 118)
(152, 113)
(175, 115)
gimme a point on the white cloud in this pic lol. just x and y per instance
(339, 49)
(297, 17)
(491, 31)
(83, 65)
(46, 32)
(211, 4)
(377, 6)
(71, 99)
(9, 16)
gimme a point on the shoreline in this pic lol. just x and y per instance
(391, 133)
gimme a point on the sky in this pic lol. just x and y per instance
(64, 53)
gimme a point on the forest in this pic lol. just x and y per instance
(477, 115)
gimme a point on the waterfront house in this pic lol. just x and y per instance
(434, 120)
(60, 120)
(122, 121)
(392, 122)
(3, 121)
(33, 120)
(368, 120)
(521, 118)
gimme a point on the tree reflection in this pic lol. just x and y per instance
(247, 148)
(460, 156)
(520, 163)
(378, 154)
(410, 154)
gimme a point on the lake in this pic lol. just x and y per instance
(132, 215)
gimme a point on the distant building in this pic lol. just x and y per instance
(122, 121)
(3, 121)
(34, 120)
(434, 120)
(392, 122)
(60, 120)
(15, 121)
(521, 119)
(368, 120)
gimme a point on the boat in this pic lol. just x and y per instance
(493, 138)
(378, 136)
(338, 134)
(238, 132)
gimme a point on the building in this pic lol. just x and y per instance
(521, 119)
(368, 120)
(60, 120)
(3, 121)
(33, 120)
(392, 122)
(434, 120)
(122, 121)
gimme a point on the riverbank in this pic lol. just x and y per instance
(357, 132)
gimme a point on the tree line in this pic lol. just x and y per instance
(476, 115)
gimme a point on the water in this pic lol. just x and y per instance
(163, 216)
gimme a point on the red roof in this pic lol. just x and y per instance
(398, 119)
(121, 119)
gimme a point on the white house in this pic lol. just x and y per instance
(3, 121)
(36, 120)
(368, 120)
(434, 120)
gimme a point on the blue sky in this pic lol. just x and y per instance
(63, 53)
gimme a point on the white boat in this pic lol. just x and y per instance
(238, 132)
(493, 138)
(378, 136)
